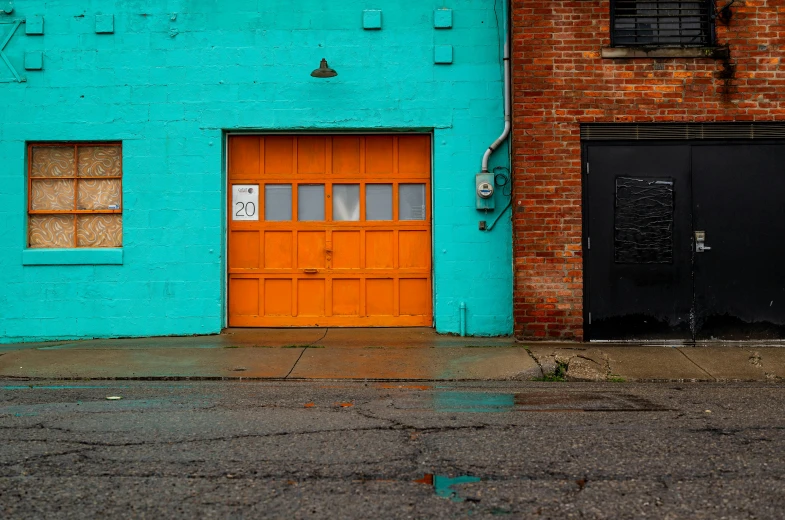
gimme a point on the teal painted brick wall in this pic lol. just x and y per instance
(173, 77)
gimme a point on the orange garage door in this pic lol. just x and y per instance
(329, 231)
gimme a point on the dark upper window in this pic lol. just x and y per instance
(659, 23)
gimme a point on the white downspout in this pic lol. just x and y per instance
(507, 122)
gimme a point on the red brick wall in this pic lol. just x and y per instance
(560, 80)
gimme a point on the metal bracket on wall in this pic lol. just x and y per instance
(3, 44)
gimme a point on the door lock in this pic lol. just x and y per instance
(700, 242)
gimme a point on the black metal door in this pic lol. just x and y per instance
(638, 241)
(739, 203)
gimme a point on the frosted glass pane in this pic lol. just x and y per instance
(346, 202)
(411, 202)
(378, 202)
(277, 202)
(310, 202)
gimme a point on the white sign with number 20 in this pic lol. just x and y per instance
(245, 202)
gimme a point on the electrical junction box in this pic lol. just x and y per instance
(484, 187)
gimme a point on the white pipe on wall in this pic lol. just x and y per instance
(507, 97)
(463, 319)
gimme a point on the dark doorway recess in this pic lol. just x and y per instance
(684, 240)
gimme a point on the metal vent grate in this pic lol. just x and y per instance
(661, 23)
(681, 131)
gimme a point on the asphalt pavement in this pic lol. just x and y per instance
(332, 449)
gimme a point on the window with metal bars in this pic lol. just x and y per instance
(659, 23)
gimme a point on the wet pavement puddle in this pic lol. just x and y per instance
(473, 402)
(444, 486)
(553, 401)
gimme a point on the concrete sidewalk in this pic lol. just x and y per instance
(383, 354)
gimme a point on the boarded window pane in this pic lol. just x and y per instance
(411, 202)
(50, 231)
(278, 202)
(99, 231)
(99, 161)
(98, 194)
(53, 161)
(378, 202)
(310, 202)
(346, 202)
(52, 194)
(643, 231)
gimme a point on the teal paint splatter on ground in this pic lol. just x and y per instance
(444, 486)
(473, 402)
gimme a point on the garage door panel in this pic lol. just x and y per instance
(244, 296)
(244, 157)
(414, 155)
(379, 155)
(379, 249)
(278, 155)
(311, 249)
(244, 249)
(346, 155)
(312, 154)
(346, 297)
(278, 297)
(346, 249)
(310, 297)
(414, 250)
(415, 296)
(278, 249)
(379, 297)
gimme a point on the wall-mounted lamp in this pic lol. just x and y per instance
(324, 71)
(724, 14)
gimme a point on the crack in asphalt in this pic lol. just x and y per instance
(42, 456)
(94, 444)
